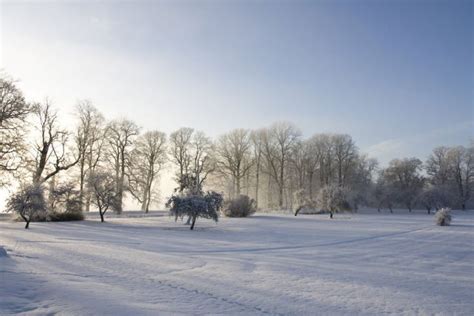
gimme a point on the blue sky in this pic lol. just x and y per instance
(396, 75)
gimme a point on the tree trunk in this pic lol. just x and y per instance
(237, 186)
(27, 224)
(280, 196)
(256, 189)
(194, 222)
(101, 216)
(81, 183)
(331, 214)
(88, 203)
(298, 210)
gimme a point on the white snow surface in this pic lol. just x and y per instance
(268, 264)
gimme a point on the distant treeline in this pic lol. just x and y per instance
(276, 166)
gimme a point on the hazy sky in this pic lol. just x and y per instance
(396, 75)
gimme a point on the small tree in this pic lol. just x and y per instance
(103, 189)
(194, 206)
(28, 202)
(333, 198)
(303, 202)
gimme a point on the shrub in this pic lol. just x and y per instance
(241, 206)
(64, 198)
(66, 216)
(443, 217)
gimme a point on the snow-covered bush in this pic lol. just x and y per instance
(333, 198)
(103, 191)
(443, 217)
(241, 206)
(206, 206)
(28, 202)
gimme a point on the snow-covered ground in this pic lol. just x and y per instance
(367, 264)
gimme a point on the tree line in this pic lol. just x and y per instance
(100, 161)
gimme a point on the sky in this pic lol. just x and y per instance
(395, 75)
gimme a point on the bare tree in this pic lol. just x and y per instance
(203, 161)
(146, 161)
(235, 157)
(51, 150)
(437, 166)
(13, 111)
(257, 144)
(461, 170)
(180, 150)
(89, 142)
(121, 135)
(404, 176)
(345, 152)
(312, 159)
(278, 143)
(103, 188)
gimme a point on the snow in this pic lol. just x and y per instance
(367, 264)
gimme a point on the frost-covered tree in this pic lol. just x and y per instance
(121, 135)
(13, 112)
(28, 202)
(146, 162)
(333, 198)
(207, 205)
(303, 202)
(103, 189)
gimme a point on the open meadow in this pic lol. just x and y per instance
(364, 264)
